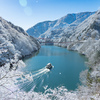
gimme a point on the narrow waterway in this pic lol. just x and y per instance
(66, 71)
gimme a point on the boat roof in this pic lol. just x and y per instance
(49, 64)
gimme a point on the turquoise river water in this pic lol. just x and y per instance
(67, 67)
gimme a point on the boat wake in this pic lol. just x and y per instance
(29, 81)
(40, 72)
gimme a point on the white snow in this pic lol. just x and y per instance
(15, 41)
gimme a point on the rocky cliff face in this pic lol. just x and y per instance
(15, 42)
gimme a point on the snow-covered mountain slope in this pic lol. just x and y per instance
(66, 24)
(14, 42)
(86, 37)
(40, 28)
(62, 26)
(83, 36)
(88, 28)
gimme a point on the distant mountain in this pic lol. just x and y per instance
(40, 28)
(59, 27)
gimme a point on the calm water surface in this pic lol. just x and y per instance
(67, 67)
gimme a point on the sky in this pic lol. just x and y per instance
(27, 13)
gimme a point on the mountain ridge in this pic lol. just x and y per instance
(42, 30)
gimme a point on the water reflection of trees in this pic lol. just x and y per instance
(35, 53)
(51, 52)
